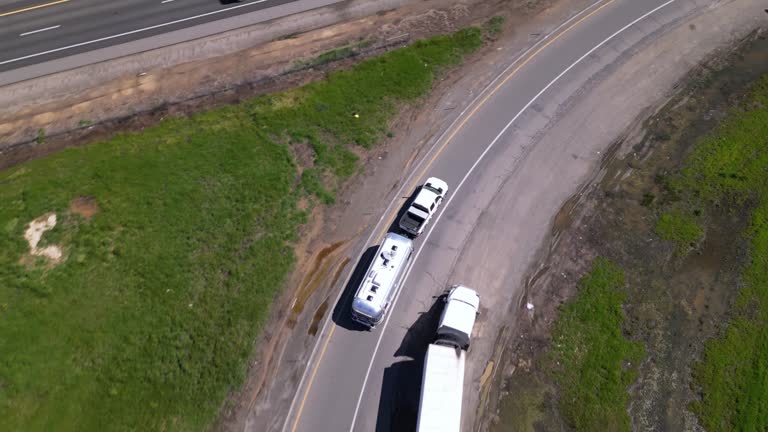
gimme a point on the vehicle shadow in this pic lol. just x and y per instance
(401, 386)
(226, 2)
(342, 315)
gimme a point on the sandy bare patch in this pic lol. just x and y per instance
(35, 231)
(84, 206)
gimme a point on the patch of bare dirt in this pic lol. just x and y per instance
(34, 233)
(303, 154)
(84, 206)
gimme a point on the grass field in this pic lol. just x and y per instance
(593, 362)
(728, 168)
(149, 319)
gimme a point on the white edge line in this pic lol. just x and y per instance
(471, 169)
(413, 173)
(130, 32)
(166, 1)
(41, 30)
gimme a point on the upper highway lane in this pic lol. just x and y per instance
(32, 33)
(368, 381)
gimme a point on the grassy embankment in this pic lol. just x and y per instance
(729, 168)
(593, 363)
(149, 319)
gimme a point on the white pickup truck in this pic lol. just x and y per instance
(424, 206)
(443, 382)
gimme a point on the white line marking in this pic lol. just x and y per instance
(41, 30)
(471, 169)
(166, 1)
(130, 32)
(408, 181)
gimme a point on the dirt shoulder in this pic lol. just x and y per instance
(674, 301)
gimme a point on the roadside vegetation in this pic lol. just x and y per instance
(728, 168)
(592, 362)
(494, 25)
(680, 228)
(173, 243)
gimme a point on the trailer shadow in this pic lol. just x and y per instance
(342, 315)
(401, 386)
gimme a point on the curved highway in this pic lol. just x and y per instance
(491, 225)
(43, 30)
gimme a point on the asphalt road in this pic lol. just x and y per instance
(43, 30)
(506, 185)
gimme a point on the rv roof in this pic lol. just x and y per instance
(392, 253)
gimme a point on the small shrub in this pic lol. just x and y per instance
(680, 228)
(648, 199)
(493, 26)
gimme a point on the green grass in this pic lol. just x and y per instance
(729, 167)
(149, 321)
(590, 356)
(493, 26)
(731, 162)
(680, 228)
(335, 54)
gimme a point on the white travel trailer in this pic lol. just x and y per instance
(382, 280)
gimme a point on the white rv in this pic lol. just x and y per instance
(382, 280)
(442, 385)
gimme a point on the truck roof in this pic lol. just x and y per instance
(425, 199)
(460, 311)
(441, 390)
(426, 196)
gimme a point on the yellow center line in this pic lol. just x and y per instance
(429, 164)
(482, 102)
(312, 378)
(32, 8)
